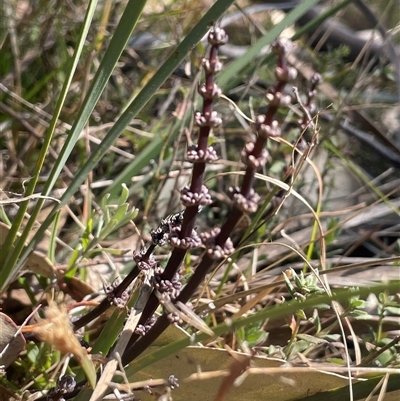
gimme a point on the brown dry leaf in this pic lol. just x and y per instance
(282, 386)
(74, 287)
(37, 262)
(4, 229)
(44, 243)
(11, 344)
(171, 334)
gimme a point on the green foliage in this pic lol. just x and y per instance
(252, 335)
(303, 285)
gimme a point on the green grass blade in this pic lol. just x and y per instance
(9, 255)
(228, 78)
(316, 22)
(149, 152)
(361, 390)
(234, 68)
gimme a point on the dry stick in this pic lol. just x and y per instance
(110, 368)
(106, 302)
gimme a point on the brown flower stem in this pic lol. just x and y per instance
(265, 127)
(206, 120)
(106, 303)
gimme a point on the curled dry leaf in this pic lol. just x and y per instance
(202, 370)
(11, 342)
(37, 262)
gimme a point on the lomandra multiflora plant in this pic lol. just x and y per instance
(179, 230)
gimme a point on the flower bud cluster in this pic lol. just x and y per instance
(211, 66)
(266, 129)
(209, 91)
(143, 262)
(309, 105)
(217, 37)
(173, 382)
(208, 119)
(170, 288)
(178, 229)
(247, 204)
(110, 290)
(189, 242)
(196, 155)
(278, 99)
(189, 198)
(214, 250)
(249, 159)
(255, 155)
(173, 318)
(142, 329)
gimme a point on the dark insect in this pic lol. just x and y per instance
(170, 223)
